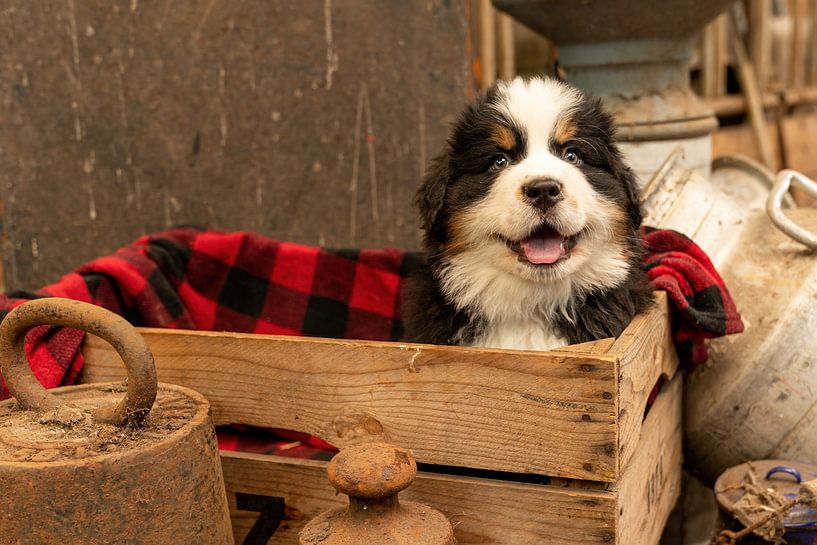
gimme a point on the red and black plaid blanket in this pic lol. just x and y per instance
(702, 304)
(207, 280)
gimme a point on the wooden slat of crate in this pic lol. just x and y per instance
(483, 511)
(552, 413)
(451, 406)
(645, 352)
(489, 511)
(651, 482)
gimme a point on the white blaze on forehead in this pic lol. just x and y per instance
(519, 303)
(536, 105)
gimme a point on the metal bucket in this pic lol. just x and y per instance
(755, 398)
(87, 465)
(800, 522)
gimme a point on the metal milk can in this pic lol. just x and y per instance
(104, 463)
(756, 398)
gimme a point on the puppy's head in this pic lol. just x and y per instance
(532, 185)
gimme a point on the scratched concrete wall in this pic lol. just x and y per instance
(310, 121)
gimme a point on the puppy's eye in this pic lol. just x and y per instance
(499, 162)
(571, 156)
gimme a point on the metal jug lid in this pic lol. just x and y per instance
(781, 475)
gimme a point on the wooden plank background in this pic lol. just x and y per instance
(311, 121)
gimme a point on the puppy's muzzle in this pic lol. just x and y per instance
(543, 193)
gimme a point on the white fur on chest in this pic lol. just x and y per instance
(520, 335)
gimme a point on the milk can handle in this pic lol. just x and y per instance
(783, 181)
(111, 327)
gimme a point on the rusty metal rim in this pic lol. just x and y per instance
(114, 329)
(666, 129)
(200, 417)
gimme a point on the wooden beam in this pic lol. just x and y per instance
(727, 105)
(751, 90)
(800, 97)
(811, 45)
(721, 53)
(507, 49)
(487, 43)
(799, 43)
(714, 58)
(709, 65)
(760, 15)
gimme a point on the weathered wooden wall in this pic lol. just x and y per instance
(310, 121)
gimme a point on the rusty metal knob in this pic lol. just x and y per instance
(372, 475)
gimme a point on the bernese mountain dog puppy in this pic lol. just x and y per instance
(531, 222)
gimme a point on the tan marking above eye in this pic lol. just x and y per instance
(503, 137)
(565, 129)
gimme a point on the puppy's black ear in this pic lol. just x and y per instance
(599, 122)
(628, 181)
(431, 195)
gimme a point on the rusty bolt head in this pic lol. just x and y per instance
(372, 471)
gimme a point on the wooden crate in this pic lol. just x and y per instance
(575, 415)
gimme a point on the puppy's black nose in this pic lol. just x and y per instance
(543, 193)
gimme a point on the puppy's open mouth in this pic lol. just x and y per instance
(544, 246)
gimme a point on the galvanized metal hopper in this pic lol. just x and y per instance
(634, 54)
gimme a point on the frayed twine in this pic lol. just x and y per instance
(762, 511)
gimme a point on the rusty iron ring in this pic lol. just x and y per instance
(114, 329)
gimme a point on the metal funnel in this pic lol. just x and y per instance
(634, 54)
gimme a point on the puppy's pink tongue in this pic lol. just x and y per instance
(543, 250)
